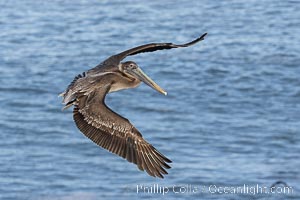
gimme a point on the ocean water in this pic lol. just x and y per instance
(230, 120)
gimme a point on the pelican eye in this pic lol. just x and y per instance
(132, 66)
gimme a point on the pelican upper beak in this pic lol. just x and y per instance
(138, 73)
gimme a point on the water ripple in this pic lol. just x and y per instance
(230, 117)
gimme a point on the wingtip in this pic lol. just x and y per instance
(202, 36)
(194, 41)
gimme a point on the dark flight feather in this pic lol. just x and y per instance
(115, 59)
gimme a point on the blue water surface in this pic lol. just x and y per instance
(231, 117)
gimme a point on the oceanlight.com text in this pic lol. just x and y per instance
(212, 189)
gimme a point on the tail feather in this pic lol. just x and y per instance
(69, 104)
(68, 95)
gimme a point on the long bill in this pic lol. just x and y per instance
(146, 79)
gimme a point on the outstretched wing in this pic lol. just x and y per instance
(116, 134)
(115, 59)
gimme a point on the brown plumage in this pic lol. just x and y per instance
(105, 127)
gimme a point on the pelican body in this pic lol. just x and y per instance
(105, 127)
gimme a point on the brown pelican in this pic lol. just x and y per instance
(105, 127)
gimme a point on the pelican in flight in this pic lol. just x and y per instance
(105, 127)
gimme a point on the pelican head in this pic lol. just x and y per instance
(133, 71)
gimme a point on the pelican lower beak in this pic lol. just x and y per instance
(146, 79)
